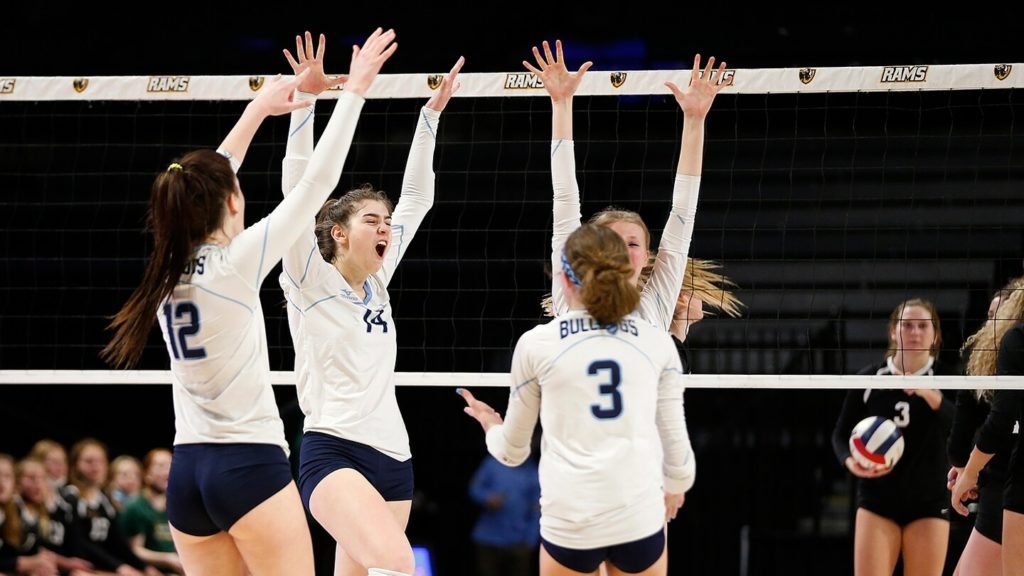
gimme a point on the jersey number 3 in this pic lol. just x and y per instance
(179, 345)
(610, 388)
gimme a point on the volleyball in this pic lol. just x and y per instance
(876, 442)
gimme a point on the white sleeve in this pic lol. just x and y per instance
(417, 191)
(258, 248)
(301, 260)
(235, 163)
(509, 442)
(299, 147)
(658, 299)
(566, 215)
(679, 466)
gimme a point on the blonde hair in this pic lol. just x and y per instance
(701, 277)
(984, 344)
(712, 287)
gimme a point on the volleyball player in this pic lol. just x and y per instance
(899, 509)
(661, 292)
(355, 466)
(616, 459)
(995, 544)
(702, 284)
(232, 503)
(659, 278)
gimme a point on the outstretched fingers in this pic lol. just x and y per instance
(548, 55)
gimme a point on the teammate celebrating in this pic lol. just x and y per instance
(231, 500)
(616, 459)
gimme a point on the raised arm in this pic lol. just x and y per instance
(300, 258)
(299, 146)
(418, 182)
(272, 236)
(560, 85)
(662, 291)
(275, 100)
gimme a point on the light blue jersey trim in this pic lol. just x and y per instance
(303, 123)
(627, 342)
(263, 252)
(229, 299)
(426, 120)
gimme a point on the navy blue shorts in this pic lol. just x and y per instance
(211, 486)
(635, 556)
(322, 454)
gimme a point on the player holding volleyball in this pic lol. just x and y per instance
(231, 500)
(899, 509)
(355, 470)
(616, 458)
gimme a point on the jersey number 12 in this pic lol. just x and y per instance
(179, 345)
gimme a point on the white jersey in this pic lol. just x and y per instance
(658, 298)
(610, 402)
(345, 347)
(213, 324)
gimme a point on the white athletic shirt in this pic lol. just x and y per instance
(345, 347)
(658, 298)
(213, 325)
(611, 406)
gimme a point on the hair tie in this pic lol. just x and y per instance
(569, 273)
(175, 166)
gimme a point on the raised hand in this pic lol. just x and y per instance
(308, 59)
(558, 81)
(480, 411)
(277, 96)
(448, 86)
(696, 99)
(367, 61)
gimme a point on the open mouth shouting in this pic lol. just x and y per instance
(381, 247)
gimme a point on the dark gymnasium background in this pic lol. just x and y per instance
(768, 486)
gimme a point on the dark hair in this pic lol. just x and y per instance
(186, 205)
(336, 212)
(600, 262)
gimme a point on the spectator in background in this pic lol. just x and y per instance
(106, 548)
(143, 520)
(125, 480)
(55, 460)
(507, 531)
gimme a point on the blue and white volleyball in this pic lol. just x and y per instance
(876, 442)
